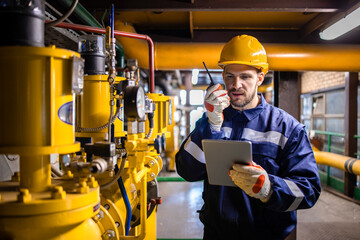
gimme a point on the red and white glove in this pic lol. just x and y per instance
(252, 179)
(216, 100)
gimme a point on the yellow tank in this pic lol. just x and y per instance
(94, 109)
(36, 93)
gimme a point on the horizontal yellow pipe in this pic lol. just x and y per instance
(345, 163)
(281, 57)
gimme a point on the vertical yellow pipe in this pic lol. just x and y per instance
(35, 172)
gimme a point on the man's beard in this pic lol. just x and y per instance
(246, 101)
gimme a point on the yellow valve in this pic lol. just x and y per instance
(24, 196)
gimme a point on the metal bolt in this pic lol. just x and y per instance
(152, 175)
(117, 224)
(106, 206)
(24, 195)
(110, 234)
(15, 177)
(152, 163)
(99, 216)
(92, 182)
(58, 193)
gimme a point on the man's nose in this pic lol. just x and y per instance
(238, 82)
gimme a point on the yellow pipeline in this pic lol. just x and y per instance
(348, 164)
(281, 57)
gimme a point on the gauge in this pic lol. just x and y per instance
(134, 102)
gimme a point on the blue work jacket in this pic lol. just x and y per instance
(281, 146)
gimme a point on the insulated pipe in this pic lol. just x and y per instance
(281, 57)
(345, 163)
(123, 34)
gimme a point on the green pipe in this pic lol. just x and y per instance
(170, 179)
(329, 133)
(329, 143)
(88, 19)
(82, 14)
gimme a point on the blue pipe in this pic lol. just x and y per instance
(126, 201)
(112, 21)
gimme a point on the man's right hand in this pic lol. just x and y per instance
(216, 100)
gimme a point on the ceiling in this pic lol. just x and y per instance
(271, 21)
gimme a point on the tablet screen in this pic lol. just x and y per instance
(220, 155)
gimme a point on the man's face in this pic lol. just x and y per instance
(241, 82)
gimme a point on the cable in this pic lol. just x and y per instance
(127, 204)
(116, 177)
(101, 127)
(151, 125)
(56, 171)
(66, 15)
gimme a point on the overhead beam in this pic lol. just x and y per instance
(315, 24)
(216, 5)
(191, 25)
(324, 19)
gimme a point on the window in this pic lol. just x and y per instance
(335, 102)
(306, 106)
(318, 124)
(183, 97)
(194, 116)
(318, 104)
(196, 97)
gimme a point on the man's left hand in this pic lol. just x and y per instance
(252, 179)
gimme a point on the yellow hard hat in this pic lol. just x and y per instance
(245, 50)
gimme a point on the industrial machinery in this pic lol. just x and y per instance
(105, 183)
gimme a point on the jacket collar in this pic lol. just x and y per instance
(248, 114)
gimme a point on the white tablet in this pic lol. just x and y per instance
(220, 155)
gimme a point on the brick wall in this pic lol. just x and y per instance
(313, 81)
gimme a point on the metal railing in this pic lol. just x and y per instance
(330, 148)
(330, 135)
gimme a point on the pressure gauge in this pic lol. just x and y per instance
(134, 102)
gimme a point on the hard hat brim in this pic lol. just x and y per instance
(264, 67)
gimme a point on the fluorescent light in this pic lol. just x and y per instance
(344, 25)
(194, 77)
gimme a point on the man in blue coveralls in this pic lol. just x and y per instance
(283, 176)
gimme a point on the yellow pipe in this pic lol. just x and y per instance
(281, 57)
(345, 163)
(35, 172)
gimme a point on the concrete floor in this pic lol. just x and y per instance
(332, 218)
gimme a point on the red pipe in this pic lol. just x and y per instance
(122, 34)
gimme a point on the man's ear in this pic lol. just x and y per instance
(261, 77)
